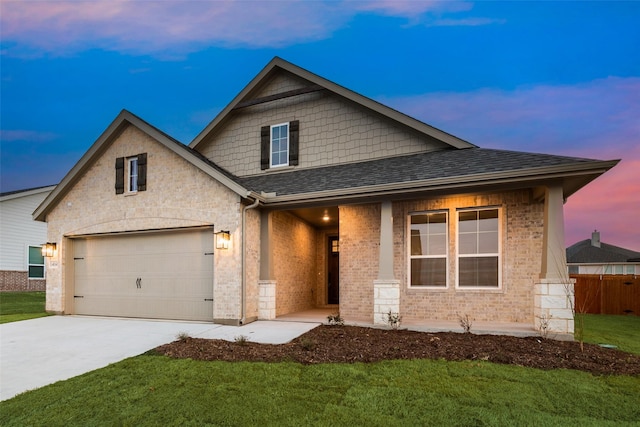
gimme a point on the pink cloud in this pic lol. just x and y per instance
(63, 27)
(152, 26)
(408, 8)
(597, 119)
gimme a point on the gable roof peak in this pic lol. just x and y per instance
(278, 63)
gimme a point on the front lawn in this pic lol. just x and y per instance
(16, 306)
(156, 390)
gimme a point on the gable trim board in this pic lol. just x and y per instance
(276, 241)
(124, 119)
(243, 100)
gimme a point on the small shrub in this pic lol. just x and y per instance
(544, 324)
(335, 320)
(241, 339)
(466, 322)
(307, 344)
(393, 320)
(182, 336)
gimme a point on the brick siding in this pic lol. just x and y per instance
(16, 281)
(522, 230)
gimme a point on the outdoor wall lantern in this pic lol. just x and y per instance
(48, 249)
(222, 239)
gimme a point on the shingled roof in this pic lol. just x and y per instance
(584, 252)
(457, 166)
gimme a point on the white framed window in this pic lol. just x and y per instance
(478, 243)
(36, 263)
(279, 145)
(428, 249)
(132, 174)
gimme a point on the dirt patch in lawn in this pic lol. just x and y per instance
(349, 344)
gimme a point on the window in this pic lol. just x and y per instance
(428, 250)
(135, 169)
(479, 248)
(36, 263)
(132, 173)
(279, 145)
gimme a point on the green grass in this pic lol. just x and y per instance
(156, 390)
(16, 306)
(622, 331)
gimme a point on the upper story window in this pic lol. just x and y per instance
(428, 249)
(135, 170)
(36, 263)
(479, 260)
(132, 173)
(279, 145)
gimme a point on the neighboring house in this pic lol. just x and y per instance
(326, 199)
(591, 256)
(606, 277)
(21, 262)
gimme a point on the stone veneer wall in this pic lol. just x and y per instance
(332, 131)
(16, 281)
(522, 231)
(295, 267)
(178, 195)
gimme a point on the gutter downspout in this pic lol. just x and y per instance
(255, 204)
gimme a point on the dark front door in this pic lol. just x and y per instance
(333, 260)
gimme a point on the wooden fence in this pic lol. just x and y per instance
(607, 294)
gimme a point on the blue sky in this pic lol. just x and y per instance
(554, 77)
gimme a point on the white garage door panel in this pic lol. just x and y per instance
(160, 275)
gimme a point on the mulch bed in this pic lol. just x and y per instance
(350, 344)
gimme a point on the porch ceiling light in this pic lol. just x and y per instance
(48, 249)
(326, 216)
(222, 239)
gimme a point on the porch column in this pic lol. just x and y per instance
(267, 282)
(554, 297)
(386, 289)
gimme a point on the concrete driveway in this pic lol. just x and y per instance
(37, 352)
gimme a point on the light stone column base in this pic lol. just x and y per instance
(386, 297)
(554, 302)
(267, 300)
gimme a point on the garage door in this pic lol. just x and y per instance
(153, 275)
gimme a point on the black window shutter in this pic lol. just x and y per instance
(293, 142)
(142, 172)
(265, 146)
(120, 175)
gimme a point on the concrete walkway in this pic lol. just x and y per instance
(38, 352)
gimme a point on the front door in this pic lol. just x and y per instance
(333, 273)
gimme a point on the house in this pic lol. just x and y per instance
(21, 238)
(605, 277)
(302, 194)
(591, 256)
